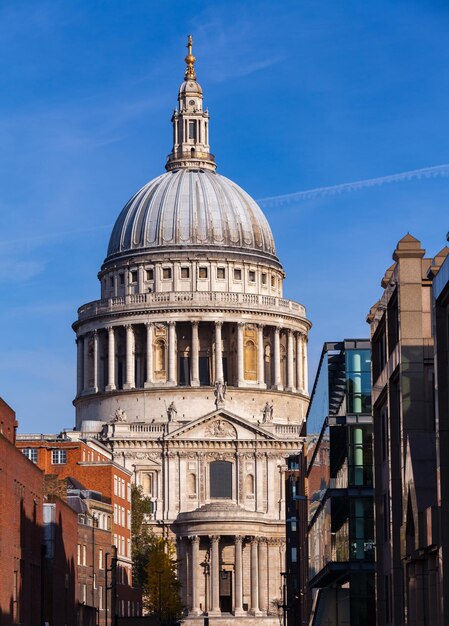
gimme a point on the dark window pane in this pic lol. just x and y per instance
(221, 479)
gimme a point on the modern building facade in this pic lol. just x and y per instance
(192, 367)
(440, 275)
(407, 575)
(340, 487)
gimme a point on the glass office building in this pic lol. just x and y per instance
(340, 487)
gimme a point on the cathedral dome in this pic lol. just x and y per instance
(188, 208)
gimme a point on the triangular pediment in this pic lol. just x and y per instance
(221, 424)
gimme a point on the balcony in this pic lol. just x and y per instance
(180, 299)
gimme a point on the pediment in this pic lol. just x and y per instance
(221, 425)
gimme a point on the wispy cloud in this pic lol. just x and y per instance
(15, 271)
(425, 172)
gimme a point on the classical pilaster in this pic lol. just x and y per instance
(195, 575)
(277, 358)
(218, 353)
(130, 367)
(215, 575)
(260, 361)
(290, 370)
(238, 562)
(240, 372)
(96, 362)
(111, 359)
(254, 609)
(171, 353)
(85, 363)
(149, 356)
(263, 576)
(195, 373)
(305, 370)
(79, 365)
(299, 363)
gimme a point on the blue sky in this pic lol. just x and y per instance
(302, 95)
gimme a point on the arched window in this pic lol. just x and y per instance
(191, 484)
(250, 361)
(249, 485)
(159, 356)
(220, 474)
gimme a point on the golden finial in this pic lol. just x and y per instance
(190, 60)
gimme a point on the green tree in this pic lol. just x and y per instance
(154, 564)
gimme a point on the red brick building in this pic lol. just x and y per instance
(90, 463)
(21, 497)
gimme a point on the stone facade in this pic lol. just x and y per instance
(192, 367)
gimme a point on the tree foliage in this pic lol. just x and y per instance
(154, 564)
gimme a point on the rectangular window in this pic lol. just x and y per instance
(84, 555)
(166, 272)
(134, 276)
(58, 457)
(185, 272)
(252, 276)
(150, 274)
(111, 281)
(122, 279)
(100, 598)
(202, 272)
(237, 274)
(273, 281)
(31, 454)
(221, 273)
(100, 559)
(264, 279)
(294, 555)
(192, 130)
(115, 485)
(84, 593)
(78, 554)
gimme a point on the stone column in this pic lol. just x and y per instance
(130, 381)
(111, 359)
(299, 359)
(263, 576)
(172, 353)
(195, 365)
(195, 575)
(240, 367)
(238, 604)
(260, 361)
(85, 363)
(149, 356)
(215, 576)
(95, 364)
(79, 366)
(305, 371)
(254, 609)
(277, 358)
(290, 371)
(218, 353)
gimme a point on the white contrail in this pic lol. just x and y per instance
(425, 172)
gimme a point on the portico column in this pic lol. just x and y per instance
(85, 362)
(195, 374)
(95, 385)
(305, 371)
(215, 576)
(299, 379)
(218, 353)
(240, 372)
(130, 381)
(263, 576)
(238, 607)
(290, 372)
(260, 362)
(79, 365)
(195, 551)
(277, 358)
(171, 353)
(149, 356)
(254, 610)
(111, 359)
